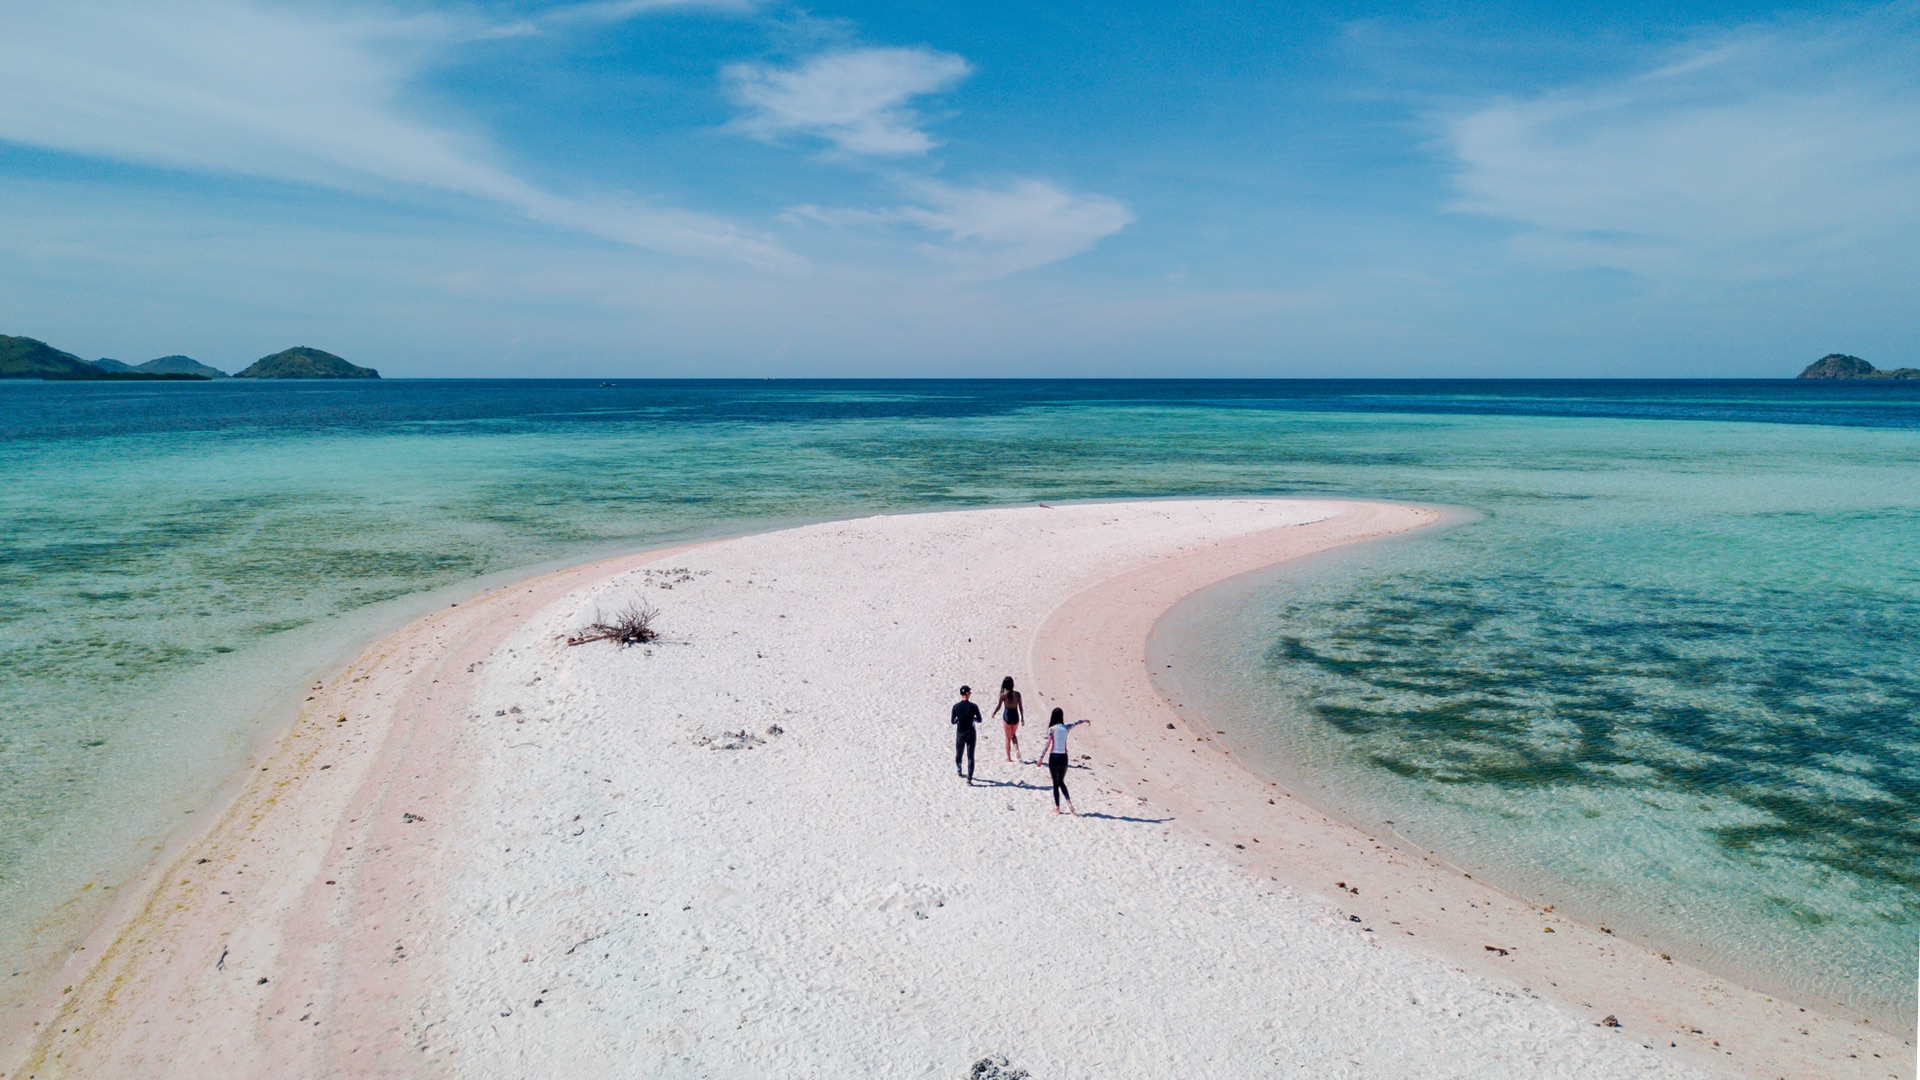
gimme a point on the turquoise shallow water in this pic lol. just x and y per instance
(1666, 675)
(1677, 701)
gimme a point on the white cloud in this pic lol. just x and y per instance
(1753, 155)
(290, 94)
(856, 99)
(993, 232)
(860, 101)
(616, 10)
(996, 231)
(603, 11)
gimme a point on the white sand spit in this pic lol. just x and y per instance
(743, 851)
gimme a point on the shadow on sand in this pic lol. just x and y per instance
(1022, 784)
(1048, 788)
(1123, 817)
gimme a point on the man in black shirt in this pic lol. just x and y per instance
(965, 715)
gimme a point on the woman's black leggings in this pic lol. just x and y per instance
(1057, 765)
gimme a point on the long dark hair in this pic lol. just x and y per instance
(1006, 684)
(1059, 716)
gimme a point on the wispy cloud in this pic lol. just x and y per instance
(996, 231)
(992, 232)
(1745, 156)
(602, 11)
(859, 100)
(289, 94)
(615, 10)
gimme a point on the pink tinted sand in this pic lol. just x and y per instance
(264, 948)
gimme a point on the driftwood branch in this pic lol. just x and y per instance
(632, 625)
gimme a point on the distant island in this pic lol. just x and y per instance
(164, 365)
(30, 358)
(301, 362)
(181, 365)
(1842, 366)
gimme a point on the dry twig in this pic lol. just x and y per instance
(632, 625)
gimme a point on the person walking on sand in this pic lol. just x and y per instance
(1056, 755)
(965, 715)
(1008, 708)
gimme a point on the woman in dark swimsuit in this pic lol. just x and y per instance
(1010, 705)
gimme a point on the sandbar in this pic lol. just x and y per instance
(743, 850)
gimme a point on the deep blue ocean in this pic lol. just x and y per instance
(1664, 672)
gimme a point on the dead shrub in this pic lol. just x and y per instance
(631, 625)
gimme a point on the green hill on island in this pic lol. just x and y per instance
(175, 366)
(1842, 366)
(27, 358)
(180, 365)
(30, 358)
(301, 362)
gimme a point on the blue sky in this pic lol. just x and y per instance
(731, 187)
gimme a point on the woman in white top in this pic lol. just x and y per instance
(1056, 756)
